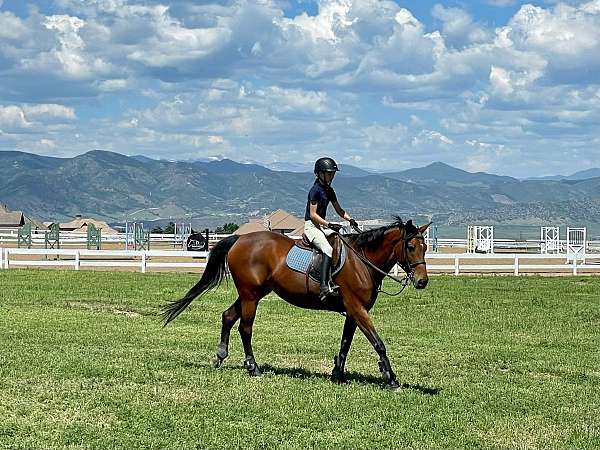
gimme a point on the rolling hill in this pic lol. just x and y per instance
(112, 186)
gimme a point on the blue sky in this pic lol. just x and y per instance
(501, 86)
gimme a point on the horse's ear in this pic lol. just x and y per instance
(422, 228)
(409, 224)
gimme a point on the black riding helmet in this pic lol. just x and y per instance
(325, 165)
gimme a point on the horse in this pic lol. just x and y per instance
(257, 264)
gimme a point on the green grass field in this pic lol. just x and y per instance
(489, 362)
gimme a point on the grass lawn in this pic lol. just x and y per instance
(489, 362)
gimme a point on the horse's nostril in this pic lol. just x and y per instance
(421, 284)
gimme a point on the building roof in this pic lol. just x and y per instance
(279, 220)
(250, 227)
(81, 224)
(283, 220)
(11, 219)
(298, 232)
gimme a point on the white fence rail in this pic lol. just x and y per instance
(77, 258)
(77, 238)
(455, 263)
(517, 263)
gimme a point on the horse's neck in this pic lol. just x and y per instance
(383, 256)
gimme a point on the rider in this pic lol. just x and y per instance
(316, 227)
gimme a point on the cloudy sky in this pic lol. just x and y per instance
(502, 86)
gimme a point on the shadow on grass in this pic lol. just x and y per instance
(297, 372)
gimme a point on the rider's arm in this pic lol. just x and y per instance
(341, 212)
(316, 219)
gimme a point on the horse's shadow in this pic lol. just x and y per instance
(298, 372)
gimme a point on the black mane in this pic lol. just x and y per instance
(372, 238)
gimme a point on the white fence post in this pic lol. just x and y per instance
(1, 258)
(144, 261)
(516, 265)
(574, 266)
(6, 258)
(77, 260)
(456, 265)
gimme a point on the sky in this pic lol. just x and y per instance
(500, 86)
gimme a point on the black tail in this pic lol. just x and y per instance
(211, 278)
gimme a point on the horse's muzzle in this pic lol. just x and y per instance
(420, 284)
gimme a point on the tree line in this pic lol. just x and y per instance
(226, 228)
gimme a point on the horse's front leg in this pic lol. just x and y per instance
(338, 375)
(365, 324)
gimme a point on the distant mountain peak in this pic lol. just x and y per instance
(440, 164)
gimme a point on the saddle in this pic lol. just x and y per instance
(303, 257)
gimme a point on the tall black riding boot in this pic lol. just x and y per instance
(327, 286)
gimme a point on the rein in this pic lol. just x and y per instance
(404, 281)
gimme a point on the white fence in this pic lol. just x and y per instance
(77, 258)
(76, 239)
(456, 263)
(73, 238)
(517, 263)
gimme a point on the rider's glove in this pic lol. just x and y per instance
(334, 226)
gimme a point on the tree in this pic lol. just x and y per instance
(157, 230)
(227, 228)
(170, 229)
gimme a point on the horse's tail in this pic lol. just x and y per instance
(213, 275)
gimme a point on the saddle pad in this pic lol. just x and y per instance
(300, 260)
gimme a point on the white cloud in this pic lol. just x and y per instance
(68, 57)
(33, 118)
(360, 77)
(430, 136)
(112, 85)
(332, 20)
(12, 118)
(11, 27)
(458, 28)
(44, 112)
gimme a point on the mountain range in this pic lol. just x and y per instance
(112, 187)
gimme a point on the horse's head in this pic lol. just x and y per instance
(410, 253)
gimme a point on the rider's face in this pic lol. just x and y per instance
(327, 177)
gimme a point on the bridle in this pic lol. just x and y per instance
(409, 268)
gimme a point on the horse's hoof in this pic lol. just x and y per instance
(221, 352)
(252, 368)
(338, 378)
(393, 386)
(256, 372)
(216, 362)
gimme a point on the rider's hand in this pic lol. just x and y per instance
(334, 226)
(353, 223)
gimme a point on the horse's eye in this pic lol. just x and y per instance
(411, 246)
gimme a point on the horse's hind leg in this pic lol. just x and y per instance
(337, 375)
(249, 304)
(229, 318)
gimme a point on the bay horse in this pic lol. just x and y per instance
(257, 264)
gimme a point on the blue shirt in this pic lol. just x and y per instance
(322, 195)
